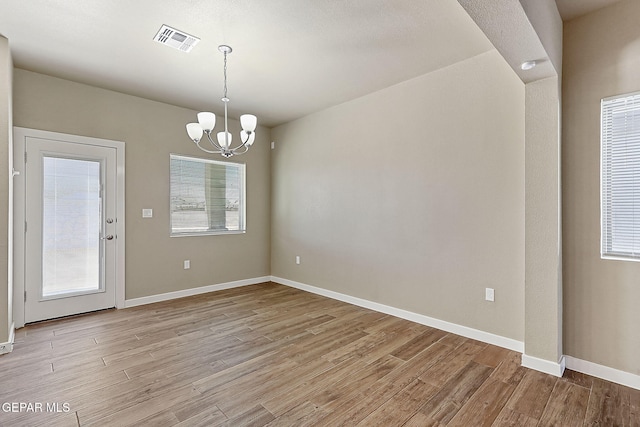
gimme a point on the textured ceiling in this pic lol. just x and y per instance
(570, 9)
(290, 58)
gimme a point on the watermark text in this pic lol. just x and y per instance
(17, 407)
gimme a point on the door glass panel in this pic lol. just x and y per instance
(71, 227)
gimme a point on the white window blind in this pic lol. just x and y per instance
(620, 177)
(207, 196)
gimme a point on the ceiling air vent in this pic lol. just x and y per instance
(176, 38)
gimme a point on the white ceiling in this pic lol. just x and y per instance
(290, 57)
(570, 9)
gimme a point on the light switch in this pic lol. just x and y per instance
(147, 213)
(489, 294)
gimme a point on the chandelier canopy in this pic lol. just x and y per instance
(207, 121)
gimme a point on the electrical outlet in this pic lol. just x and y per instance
(489, 294)
(147, 213)
(187, 264)
(298, 259)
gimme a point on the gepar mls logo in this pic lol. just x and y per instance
(18, 407)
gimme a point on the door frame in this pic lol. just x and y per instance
(20, 135)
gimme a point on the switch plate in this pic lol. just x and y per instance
(489, 294)
(147, 213)
(298, 259)
(187, 264)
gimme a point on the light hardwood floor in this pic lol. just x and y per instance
(271, 355)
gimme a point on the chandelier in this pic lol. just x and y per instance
(207, 121)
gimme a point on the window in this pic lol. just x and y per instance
(207, 196)
(620, 177)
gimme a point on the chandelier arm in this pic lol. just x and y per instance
(242, 152)
(207, 151)
(244, 143)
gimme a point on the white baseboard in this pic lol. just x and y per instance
(557, 369)
(7, 347)
(464, 331)
(194, 291)
(604, 372)
(548, 367)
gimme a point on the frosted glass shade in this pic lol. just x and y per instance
(207, 121)
(194, 130)
(248, 122)
(247, 137)
(221, 140)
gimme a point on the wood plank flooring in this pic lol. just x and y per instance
(269, 355)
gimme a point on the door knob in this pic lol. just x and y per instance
(107, 237)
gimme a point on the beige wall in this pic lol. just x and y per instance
(6, 199)
(543, 261)
(601, 312)
(525, 30)
(412, 196)
(151, 131)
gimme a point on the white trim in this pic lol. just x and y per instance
(193, 291)
(19, 135)
(604, 372)
(120, 215)
(464, 331)
(7, 347)
(548, 367)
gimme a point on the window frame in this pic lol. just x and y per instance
(606, 243)
(242, 209)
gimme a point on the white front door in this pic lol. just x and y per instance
(71, 228)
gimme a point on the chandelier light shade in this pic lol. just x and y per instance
(207, 122)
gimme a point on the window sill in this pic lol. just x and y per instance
(619, 258)
(206, 233)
